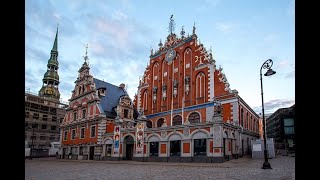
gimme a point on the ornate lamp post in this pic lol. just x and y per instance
(266, 65)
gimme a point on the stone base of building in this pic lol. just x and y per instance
(199, 159)
(196, 159)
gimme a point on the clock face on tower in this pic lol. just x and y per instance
(170, 55)
(49, 91)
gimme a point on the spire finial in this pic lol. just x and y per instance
(171, 25)
(182, 32)
(160, 44)
(194, 28)
(55, 44)
(86, 56)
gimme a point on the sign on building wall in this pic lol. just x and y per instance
(140, 137)
(116, 139)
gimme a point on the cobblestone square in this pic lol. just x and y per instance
(283, 168)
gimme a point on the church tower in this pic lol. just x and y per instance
(51, 78)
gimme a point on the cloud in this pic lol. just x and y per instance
(270, 38)
(207, 4)
(290, 74)
(291, 8)
(225, 27)
(273, 105)
(119, 15)
(118, 32)
(284, 63)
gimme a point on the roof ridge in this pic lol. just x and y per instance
(105, 82)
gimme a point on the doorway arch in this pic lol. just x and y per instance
(128, 143)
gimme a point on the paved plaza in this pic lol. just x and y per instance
(283, 168)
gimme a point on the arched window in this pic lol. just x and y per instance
(145, 101)
(160, 122)
(149, 124)
(247, 121)
(194, 118)
(79, 92)
(251, 123)
(200, 85)
(177, 120)
(241, 117)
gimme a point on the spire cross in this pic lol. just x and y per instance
(86, 56)
(86, 49)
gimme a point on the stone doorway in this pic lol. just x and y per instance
(128, 143)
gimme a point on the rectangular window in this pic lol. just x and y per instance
(35, 126)
(45, 117)
(93, 131)
(65, 135)
(175, 148)
(108, 150)
(154, 149)
(74, 150)
(125, 113)
(288, 122)
(288, 130)
(84, 113)
(43, 138)
(82, 132)
(200, 147)
(26, 124)
(53, 127)
(35, 116)
(54, 119)
(81, 150)
(34, 137)
(75, 116)
(73, 133)
(52, 138)
(43, 126)
(26, 115)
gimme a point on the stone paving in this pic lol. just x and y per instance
(283, 168)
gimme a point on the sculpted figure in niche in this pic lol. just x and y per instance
(164, 91)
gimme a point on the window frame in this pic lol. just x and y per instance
(93, 135)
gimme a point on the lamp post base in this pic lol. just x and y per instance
(266, 165)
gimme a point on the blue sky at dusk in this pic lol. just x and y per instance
(242, 34)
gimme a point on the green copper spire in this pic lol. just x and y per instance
(51, 78)
(55, 44)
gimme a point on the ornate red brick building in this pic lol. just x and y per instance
(178, 93)
(93, 107)
(187, 111)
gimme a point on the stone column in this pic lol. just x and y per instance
(217, 135)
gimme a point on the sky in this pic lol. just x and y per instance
(120, 34)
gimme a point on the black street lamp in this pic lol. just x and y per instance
(266, 65)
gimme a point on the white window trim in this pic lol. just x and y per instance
(91, 131)
(84, 133)
(84, 109)
(74, 133)
(65, 134)
(74, 116)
